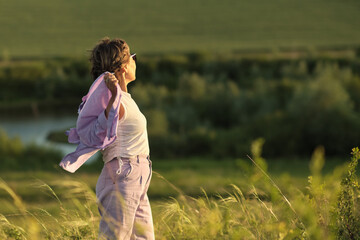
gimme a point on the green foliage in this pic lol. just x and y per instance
(223, 100)
(16, 156)
(39, 80)
(323, 111)
(347, 212)
(157, 123)
(9, 146)
(191, 87)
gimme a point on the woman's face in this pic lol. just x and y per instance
(130, 70)
(127, 72)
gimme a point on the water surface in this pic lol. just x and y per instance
(36, 130)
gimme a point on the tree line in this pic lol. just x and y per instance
(206, 105)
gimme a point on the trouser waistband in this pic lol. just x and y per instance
(137, 158)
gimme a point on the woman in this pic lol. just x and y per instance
(110, 120)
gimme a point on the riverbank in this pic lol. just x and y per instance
(25, 131)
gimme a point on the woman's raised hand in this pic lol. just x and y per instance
(111, 81)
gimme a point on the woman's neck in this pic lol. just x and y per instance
(123, 86)
(122, 81)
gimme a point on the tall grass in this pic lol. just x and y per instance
(327, 209)
(76, 222)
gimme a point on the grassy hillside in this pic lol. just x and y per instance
(48, 28)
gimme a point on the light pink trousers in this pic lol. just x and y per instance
(123, 203)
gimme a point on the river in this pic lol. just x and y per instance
(35, 130)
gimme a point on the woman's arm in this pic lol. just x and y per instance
(97, 121)
(111, 81)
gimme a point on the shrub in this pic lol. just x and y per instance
(16, 156)
(347, 212)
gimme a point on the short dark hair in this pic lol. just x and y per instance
(108, 55)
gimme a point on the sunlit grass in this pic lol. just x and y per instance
(261, 208)
(215, 176)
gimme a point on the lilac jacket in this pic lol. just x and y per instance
(93, 131)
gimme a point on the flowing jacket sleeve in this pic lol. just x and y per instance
(93, 130)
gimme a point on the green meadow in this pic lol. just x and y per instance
(42, 28)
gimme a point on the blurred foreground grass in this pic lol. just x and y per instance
(197, 200)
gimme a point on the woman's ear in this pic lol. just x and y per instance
(124, 68)
(120, 70)
(119, 73)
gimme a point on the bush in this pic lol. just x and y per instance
(347, 216)
(322, 112)
(16, 156)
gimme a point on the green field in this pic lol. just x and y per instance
(41, 28)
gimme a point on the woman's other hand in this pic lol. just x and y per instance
(111, 81)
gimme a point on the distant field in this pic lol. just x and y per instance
(68, 28)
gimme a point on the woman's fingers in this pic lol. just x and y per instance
(109, 78)
(111, 81)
